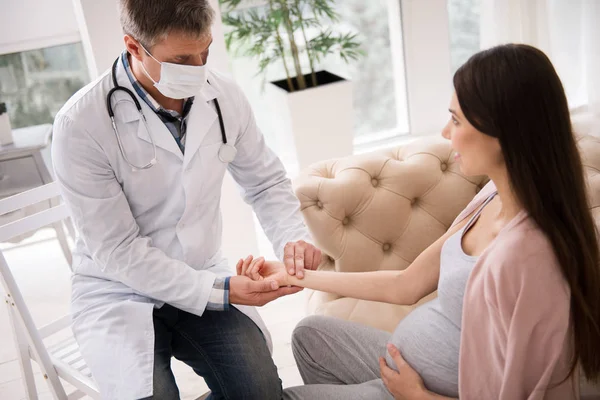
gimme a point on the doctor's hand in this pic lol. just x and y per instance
(245, 291)
(300, 255)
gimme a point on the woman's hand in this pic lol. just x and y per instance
(406, 384)
(259, 269)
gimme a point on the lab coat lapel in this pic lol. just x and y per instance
(163, 138)
(201, 120)
(160, 133)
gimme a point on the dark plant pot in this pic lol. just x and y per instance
(323, 78)
(2, 108)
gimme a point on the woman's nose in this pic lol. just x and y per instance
(446, 132)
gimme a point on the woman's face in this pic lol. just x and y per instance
(476, 152)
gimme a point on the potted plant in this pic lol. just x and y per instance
(315, 106)
(5, 129)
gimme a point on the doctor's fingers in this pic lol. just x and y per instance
(316, 259)
(288, 258)
(309, 257)
(299, 258)
(253, 271)
(298, 249)
(246, 264)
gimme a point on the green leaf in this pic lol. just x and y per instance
(254, 32)
(230, 4)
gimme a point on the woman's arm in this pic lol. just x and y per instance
(396, 287)
(385, 286)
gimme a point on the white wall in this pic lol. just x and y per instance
(218, 52)
(239, 230)
(33, 24)
(101, 33)
(425, 30)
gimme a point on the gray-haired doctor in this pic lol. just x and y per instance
(140, 155)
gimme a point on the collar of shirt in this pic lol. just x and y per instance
(152, 103)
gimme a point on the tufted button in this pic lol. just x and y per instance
(374, 182)
(319, 204)
(346, 221)
(444, 166)
(413, 201)
(387, 247)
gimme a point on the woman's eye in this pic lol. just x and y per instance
(454, 121)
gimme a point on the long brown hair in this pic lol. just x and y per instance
(513, 93)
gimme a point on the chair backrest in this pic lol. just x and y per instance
(16, 228)
(35, 221)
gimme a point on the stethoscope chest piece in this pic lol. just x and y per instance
(227, 153)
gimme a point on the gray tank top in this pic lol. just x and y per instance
(429, 337)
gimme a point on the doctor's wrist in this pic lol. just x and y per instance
(218, 299)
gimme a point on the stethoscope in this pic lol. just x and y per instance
(226, 152)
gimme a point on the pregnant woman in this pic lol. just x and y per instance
(518, 307)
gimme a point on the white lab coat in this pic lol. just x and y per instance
(149, 237)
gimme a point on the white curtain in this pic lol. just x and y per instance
(568, 31)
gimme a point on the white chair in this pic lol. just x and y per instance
(59, 361)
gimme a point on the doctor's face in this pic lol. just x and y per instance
(176, 48)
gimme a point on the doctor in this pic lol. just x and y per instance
(144, 188)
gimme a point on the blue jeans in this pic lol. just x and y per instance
(226, 348)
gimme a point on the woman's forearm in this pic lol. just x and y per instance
(384, 286)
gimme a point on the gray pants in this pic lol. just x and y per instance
(338, 360)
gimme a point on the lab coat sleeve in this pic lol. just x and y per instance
(265, 185)
(106, 224)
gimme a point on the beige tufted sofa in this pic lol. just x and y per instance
(379, 211)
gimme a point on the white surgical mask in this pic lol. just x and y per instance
(178, 81)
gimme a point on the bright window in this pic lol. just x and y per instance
(35, 84)
(376, 84)
(463, 16)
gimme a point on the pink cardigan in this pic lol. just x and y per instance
(515, 339)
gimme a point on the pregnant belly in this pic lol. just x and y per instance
(429, 343)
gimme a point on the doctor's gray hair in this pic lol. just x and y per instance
(150, 21)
